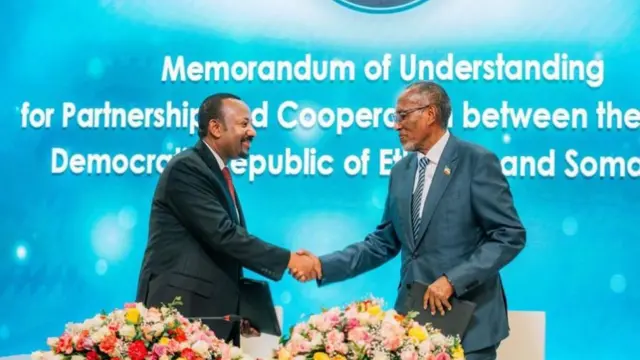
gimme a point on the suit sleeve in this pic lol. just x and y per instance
(377, 248)
(195, 204)
(492, 204)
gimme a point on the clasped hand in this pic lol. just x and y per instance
(305, 266)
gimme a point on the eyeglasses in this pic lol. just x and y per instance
(399, 116)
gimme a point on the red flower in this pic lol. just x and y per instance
(137, 350)
(92, 355)
(108, 344)
(65, 344)
(179, 335)
(84, 341)
(188, 354)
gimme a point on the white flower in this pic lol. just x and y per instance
(142, 309)
(100, 334)
(169, 319)
(438, 339)
(390, 316)
(93, 323)
(52, 341)
(77, 357)
(164, 357)
(201, 348)
(316, 339)
(153, 316)
(379, 355)
(157, 329)
(127, 332)
(364, 318)
(118, 316)
(39, 355)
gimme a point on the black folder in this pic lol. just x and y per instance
(454, 322)
(256, 305)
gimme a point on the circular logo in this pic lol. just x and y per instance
(380, 6)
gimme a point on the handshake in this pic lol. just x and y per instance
(305, 266)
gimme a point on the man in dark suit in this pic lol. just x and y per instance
(450, 214)
(198, 243)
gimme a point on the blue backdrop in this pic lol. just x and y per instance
(72, 243)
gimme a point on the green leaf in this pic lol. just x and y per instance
(177, 301)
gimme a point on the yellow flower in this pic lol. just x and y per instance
(132, 315)
(457, 353)
(284, 354)
(321, 356)
(181, 358)
(418, 333)
(338, 357)
(374, 310)
(164, 341)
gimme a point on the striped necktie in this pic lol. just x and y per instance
(416, 200)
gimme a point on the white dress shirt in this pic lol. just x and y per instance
(433, 155)
(222, 166)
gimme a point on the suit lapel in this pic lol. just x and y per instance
(203, 150)
(406, 187)
(240, 213)
(445, 170)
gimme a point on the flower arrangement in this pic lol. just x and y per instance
(138, 333)
(364, 331)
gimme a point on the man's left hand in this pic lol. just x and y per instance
(437, 296)
(247, 330)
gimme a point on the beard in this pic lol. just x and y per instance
(244, 152)
(410, 146)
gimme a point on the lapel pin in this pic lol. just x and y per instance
(447, 171)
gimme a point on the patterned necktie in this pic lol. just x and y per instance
(416, 201)
(227, 176)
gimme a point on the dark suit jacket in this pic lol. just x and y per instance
(197, 244)
(470, 230)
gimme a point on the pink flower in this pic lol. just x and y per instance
(299, 345)
(391, 330)
(392, 343)
(332, 317)
(443, 356)
(130, 305)
(335, 336)
(301, 328)
(200, 335)
(352, 323)
(409, 355)
(159, 350)
(320, 323)
(426, 347)
(153, 315)
(335, 340)
(173, 346)
(359, 335)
